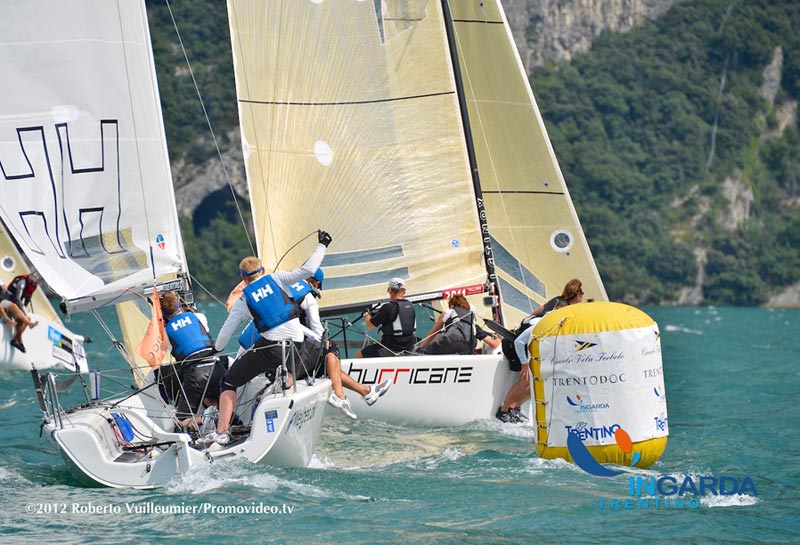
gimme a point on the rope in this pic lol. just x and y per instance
(549, 420)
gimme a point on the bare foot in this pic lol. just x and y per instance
(32, 324)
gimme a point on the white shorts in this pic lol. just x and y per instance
(6, 304)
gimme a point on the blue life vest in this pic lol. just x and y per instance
(268, 303)
(299, 290)
(187, 335)
(249, 336)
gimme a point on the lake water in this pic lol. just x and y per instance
(731, 378)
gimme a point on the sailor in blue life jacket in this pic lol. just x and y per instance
(320, 353)
(398, 322)
(297, 292)
(265, 299)
(197, 371)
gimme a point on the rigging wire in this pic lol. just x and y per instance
(205, 289)
(292, 247)
(136, 370)
(211, 130)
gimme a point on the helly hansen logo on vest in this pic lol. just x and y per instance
(183, 322)
(262, 293)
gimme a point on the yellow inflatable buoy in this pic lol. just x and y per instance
(599, 386)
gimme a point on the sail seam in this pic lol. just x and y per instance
(521, 192)
(482, 21)
(347, 103)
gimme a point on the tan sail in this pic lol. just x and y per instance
(11, 265)
(357, 132)
(538, 242)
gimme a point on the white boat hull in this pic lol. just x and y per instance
(447, 390)
(49, 345)
(285, 430)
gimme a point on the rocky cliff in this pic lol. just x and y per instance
(557, 30)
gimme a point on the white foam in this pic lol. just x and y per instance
(10, 477)
(736, 500)
(325, 463)
(524, 431)
(220, 475)
(203, 479)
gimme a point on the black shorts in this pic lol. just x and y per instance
(199, 378)
(263, 357)
(442, 346)
(312, 359)
(376, 350)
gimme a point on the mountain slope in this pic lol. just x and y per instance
(678, 139)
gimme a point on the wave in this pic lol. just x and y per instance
(738, 500)
(681, 329)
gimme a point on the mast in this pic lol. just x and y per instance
(488, 254)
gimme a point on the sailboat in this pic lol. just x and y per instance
(87, 194)
(48, 345)
(410, 129)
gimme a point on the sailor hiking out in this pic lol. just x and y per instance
(266, 300)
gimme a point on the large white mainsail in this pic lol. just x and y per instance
(537, 240)
(350, 123)
(85, 185)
